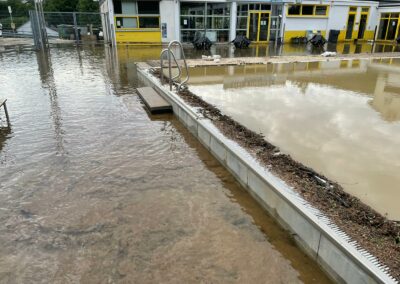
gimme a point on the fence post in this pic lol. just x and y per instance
(75, 28)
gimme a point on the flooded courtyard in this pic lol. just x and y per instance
(93, 189)
(341, 118)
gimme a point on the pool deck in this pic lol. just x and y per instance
(280, 59)
(340, 256)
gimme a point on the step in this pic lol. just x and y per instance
(153, 101)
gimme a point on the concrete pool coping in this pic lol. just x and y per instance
(281, 59)
(323, 241)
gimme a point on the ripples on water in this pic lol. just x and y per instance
(93, 190)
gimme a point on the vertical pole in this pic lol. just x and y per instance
(6, 112)
(38, 25)
(75, 28)
(373, 43)
(43, 26)
(169, 69)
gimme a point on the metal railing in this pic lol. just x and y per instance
(171, 55)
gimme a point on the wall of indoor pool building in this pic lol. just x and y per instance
(157, 22)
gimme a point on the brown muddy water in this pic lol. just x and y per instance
(93, 190)
(341, 118)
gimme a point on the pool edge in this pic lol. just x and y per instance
(340, 257)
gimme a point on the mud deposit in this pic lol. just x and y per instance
(370, 229)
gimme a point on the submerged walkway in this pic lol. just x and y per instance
(93, 190)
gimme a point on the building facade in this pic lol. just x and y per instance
(156, 22)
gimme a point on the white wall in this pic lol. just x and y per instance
(106, 6)
(303, 24)
(169, 14)
(388, 10)
(338, 17)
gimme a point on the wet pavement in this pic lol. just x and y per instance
(93, 190)
(341, 118)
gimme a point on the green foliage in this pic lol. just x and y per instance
(20, 12)
(60, 5)
(17, 6)
(87, 6)
(71, 6)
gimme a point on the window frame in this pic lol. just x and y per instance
(313, 15)
(137, 17)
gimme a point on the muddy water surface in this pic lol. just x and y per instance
(340, 118)
(93, 190)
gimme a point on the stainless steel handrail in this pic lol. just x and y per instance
(171, 53)
(162, 66)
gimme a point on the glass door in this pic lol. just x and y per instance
(363, 25)
(350, 26)
(392, 28)
(258, 26)
(253, 26)
(264, 27)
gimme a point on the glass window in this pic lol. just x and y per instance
(383, 25)
(221, 9)
(117, 6)
(149, 22)
(148, 7)
(385, 15)
(188, 22)
(254, 7)
(222, 36)
(242, 9)
(353, 9)
(365, 9)
(124, 22)
(294, 10)
(394, 15)
(218, 23)
(195, 9)
(320, 10)
(242, 23)
(188, 36)
(307, 10)
(265, 7)
(128, 7)
(213, 19)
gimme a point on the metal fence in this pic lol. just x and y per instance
(79, 27)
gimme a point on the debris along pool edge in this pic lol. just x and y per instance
(313, 231)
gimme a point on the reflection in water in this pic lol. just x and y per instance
(47, 78)
(340, 119)
(140, 53)
(131, 198)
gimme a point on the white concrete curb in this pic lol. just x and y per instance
(337, 254)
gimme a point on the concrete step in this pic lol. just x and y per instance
(153, 101)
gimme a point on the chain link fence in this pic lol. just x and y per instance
(80, 27)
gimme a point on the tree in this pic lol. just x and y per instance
(60, 5)
(87, 6)
(71, 6)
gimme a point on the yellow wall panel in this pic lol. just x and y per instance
(139, 37)
(368, 35)
(290, 34)
(342, 35)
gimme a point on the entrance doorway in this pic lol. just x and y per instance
(350, 23)
(362, 26)
(258, 26)
(389, 26)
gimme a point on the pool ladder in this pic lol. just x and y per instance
(178, 77)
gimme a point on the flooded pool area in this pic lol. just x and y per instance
(93, 189)
(341, 118)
